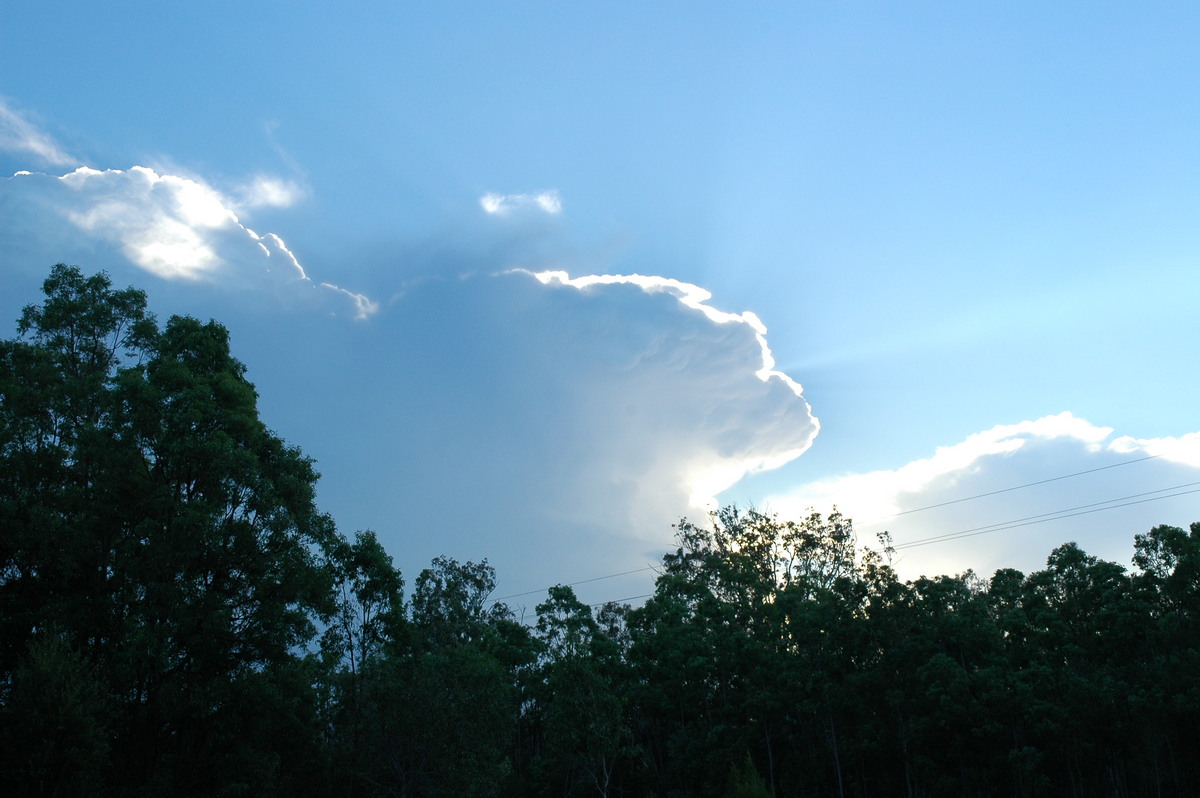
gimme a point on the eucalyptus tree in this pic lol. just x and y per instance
(582, 730)
(157, 535)
(437, 714)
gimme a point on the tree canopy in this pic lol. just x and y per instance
(177, 617)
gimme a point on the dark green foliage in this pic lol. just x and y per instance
(439, 709)
(744, 782)
(177, 618)
(582, 728)
(777, 639)
(160, 550)
(54, 722)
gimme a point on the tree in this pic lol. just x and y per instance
(439, 703)
(54, 723)
(57, 401)
(583, 727)
(160, 531)
(745, 647)
(450, 602)
(370, 603)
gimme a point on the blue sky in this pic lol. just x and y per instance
(961, 236)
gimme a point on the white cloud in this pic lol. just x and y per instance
(881, 495)
(364, 306)
(503, 204)
(163, 223)
(1184, 450)
(709, 473)
(1006, 496)
(176, 228)
(18, 134)
(689, 294)
(265, 191)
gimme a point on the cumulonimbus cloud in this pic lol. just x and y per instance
(689, 295)
(503, 204)
(575, 419)
(709, 471)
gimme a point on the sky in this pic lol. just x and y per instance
(531, 281)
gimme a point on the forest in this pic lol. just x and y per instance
(178, 618)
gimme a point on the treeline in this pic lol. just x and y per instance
(178, 618)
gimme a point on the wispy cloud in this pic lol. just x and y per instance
(20, 135)
(503, 204)
(364, 306)
(265, 191)
(177, 228)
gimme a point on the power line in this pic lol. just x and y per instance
(573, 584)
(1069, 512)
(620, 600)
(1056, 515)
(1027, 485)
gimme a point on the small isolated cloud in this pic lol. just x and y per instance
(174, 227)
(21, 136)
(1006, 496)
(268, 192)
(504, 204)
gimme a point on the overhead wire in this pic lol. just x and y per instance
(1026, 485)
(1069, 512)
(620, 600)
(573, 584)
